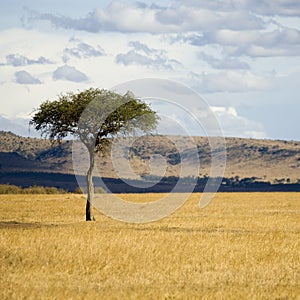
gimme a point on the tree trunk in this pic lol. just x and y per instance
(90, 189)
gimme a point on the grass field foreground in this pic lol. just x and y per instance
(241, 246)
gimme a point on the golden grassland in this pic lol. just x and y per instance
(241, 246)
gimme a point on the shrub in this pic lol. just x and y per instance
(10, 189)
(13, 189)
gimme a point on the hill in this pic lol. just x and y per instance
(273, 161)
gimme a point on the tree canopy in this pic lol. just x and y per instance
(93, 115)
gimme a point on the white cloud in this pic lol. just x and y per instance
(178, 17)
(229, 81)
(137, 45)
(18, 60)
(69, 73)
(82, 50)
(113, 18)
(191, 18)
(279, 42)
(234, 125)
(141, 54)
(224, 63)
(16, 126)
(23, 77)
(262, 7)
(211, 122)
(37, 50)
(132, 57)
(276, 7)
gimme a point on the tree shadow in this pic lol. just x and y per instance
(28, 225)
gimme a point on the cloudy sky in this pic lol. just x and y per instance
(241, 56)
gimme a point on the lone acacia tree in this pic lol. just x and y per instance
(95, 116)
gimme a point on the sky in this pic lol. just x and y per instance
(241, 56)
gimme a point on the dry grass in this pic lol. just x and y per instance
(242, 246)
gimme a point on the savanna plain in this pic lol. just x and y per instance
(241, 246)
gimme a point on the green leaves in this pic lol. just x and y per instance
(94, 115)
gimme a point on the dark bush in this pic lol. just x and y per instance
(13, 189)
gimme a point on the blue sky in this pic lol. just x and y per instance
(241, 56)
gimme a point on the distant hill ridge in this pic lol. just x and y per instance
(275, 161)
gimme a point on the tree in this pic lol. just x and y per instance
(95, 116)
